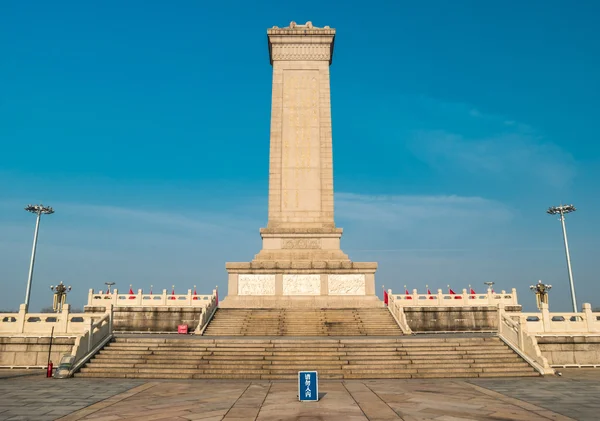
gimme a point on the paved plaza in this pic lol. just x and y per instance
(574, 396)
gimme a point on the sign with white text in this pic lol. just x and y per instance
(308, 386)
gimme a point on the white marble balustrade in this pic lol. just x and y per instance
(453, 300)
(164, 299)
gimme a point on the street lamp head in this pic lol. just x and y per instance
(562, 209)
(39, 209)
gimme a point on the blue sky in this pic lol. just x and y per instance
(146, 126)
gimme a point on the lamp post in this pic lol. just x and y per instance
(562, 210)
(38, 210)
(60, 296)
(108, 285)
(541, 293)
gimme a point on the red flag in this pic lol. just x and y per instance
(150, 289)
(408, 297)
(472, 293)
(173, 293)
(195, 293)
(108, 290)
(457, 297)
(131, 294)
(385, 297)
(429, 293)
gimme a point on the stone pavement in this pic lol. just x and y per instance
(574, 396)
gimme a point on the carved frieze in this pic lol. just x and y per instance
(302, 284)
(301, 243)
(350, 284)
(256, 284)
(301, 52)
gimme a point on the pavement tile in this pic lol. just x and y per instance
(555, 398)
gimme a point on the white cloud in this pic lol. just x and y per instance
(504, 155)
(475, 142)
(405, 211)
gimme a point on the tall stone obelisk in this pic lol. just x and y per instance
(301, 263)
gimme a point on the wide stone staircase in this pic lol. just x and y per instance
(300, 322)
(196, 357)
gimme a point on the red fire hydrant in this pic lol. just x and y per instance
(49, 371)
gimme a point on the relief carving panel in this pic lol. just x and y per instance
(351, 284)
(249, 284)
(301, 284)
(301, 243)
(301, 52)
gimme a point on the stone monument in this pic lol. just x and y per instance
(301, 263)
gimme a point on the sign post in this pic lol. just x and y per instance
(308, 386)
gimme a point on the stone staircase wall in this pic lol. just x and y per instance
(23, 351)
(282, 358)
(309, 322)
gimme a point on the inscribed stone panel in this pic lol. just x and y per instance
(301, 142)
(250, 284)
(351, 284)
(301, 284)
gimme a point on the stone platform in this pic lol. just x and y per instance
(570, 397)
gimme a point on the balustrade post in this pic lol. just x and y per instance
(415, 296)
(163, 300)
(90, 333)
(522, 322)
(21, 318)
(63, 321)
(90, 297)
(465, 296)
(189, 297)
(110, 319)
(440, 297)
(139, 298)
(514, 297)
(547, 323)
(589, 317)
(115, 296)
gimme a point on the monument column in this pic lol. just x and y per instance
(301, 260)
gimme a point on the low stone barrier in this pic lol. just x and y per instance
(546, 322)
(25, 324)
(146, 318)
(32, 352)
(117, 299)
(571, 350)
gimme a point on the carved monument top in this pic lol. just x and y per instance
(307, 25)
(298, 29)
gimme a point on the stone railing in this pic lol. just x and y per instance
(165, 299)
(397, 312)
(454, 300)
(512, 329)
(207, 314)
(96, 335)
(545, 322)
(64, 323)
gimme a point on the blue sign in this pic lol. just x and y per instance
(308, 386)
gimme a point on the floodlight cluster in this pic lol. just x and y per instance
(39, 209)
(562, 209)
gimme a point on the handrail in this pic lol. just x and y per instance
(515, 335)
(398, 314)
(206, 317)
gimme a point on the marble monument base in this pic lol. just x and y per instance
(301, 284)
